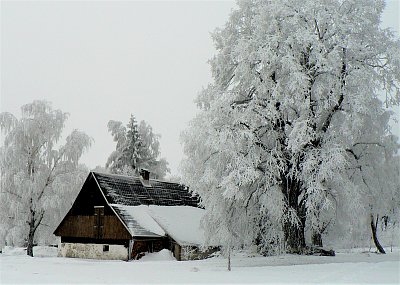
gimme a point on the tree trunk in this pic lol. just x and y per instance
(374, 234)
(294, 237)
(34, 222)
(316, 239)
(31, 234)
(29, 249)
(294, 234)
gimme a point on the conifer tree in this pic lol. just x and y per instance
(137, 147)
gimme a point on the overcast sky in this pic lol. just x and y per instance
(106, 60)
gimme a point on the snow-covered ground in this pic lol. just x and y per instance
(345, 267)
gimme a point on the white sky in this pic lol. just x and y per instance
(105, 60)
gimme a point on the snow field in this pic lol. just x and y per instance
(161, 268)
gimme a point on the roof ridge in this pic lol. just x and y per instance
(135, 177)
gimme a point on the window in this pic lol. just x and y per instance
(98, 221)
(106, 247)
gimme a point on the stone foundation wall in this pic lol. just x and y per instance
(93, 251)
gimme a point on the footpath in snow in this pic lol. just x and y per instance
(354, 267)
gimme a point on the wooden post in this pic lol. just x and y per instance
(229, 258)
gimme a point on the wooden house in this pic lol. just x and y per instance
(122, 217)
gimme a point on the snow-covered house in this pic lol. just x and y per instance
(122, 217)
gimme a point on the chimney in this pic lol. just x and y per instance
(145, 174)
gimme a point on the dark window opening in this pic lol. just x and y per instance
(99, 221)
(106, 247)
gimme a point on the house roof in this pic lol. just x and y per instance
(182, 223)
(131, 191)
(154, 208)
(138, 221)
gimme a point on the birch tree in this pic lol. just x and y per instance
(283, 122)
(33, 169)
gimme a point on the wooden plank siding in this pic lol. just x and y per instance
(91, 218)
(86, 227)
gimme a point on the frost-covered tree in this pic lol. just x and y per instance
(68, 185)
(287, 118)
(100, 169)
(36, 175)
(372, 167)
(137, 147)
(128, 143)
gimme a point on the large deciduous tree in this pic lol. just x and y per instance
(36, 175)
(293, 120)
(137, 147)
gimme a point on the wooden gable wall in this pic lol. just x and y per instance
(91, 218)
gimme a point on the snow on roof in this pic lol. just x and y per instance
(182, 223)
(139, 221)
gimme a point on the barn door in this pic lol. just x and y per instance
(98, 221)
